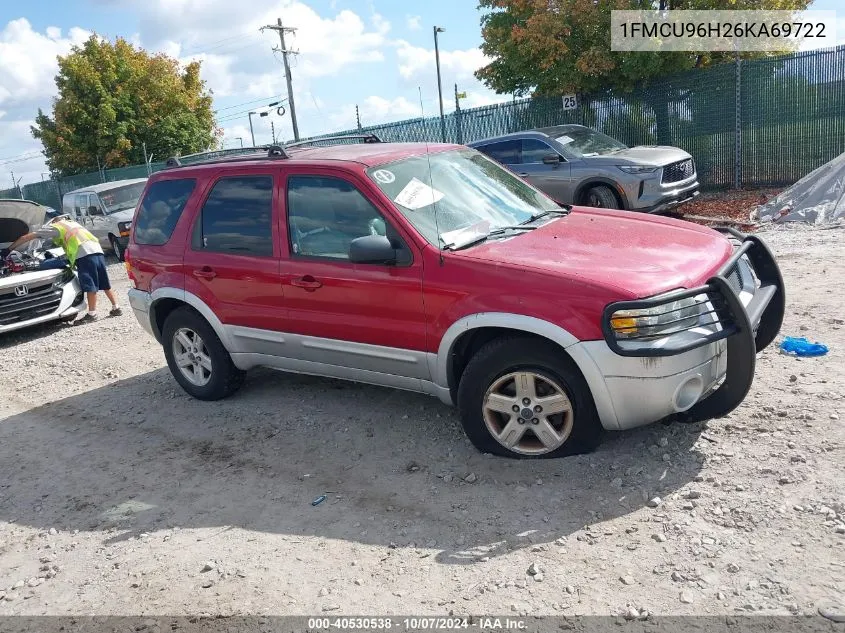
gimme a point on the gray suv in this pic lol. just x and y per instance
(577, 165)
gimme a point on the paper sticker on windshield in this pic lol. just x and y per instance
(563, 140)
(417, 195)
(384, 176)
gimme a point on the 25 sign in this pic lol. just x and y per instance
(570, 102)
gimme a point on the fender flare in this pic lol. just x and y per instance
(439, 363)
(197, 304)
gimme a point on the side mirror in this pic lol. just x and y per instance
(372, 249)
(93, 210)
(551, 159)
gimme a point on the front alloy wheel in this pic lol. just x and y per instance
(192, 357)
(523, 397)
(528, 413)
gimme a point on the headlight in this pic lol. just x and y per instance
(638, 169)
(662, 320)
(124, 227)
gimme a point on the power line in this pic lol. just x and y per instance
(237, 105)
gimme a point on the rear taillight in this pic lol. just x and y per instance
(127, 263)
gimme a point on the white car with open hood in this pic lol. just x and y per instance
(27, 295)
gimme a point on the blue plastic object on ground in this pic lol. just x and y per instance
(802, 347)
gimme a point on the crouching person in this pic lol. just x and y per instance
(83, 252)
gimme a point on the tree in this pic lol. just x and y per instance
(555, 47)
(113, 98)
(552, 47)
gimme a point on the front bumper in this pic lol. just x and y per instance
(69, 301)
(700, 376)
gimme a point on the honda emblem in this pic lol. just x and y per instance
(21, 291)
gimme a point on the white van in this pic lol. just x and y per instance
(106, 210)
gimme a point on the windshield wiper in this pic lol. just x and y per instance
(543, 214)
(497, 232)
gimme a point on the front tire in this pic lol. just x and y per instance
(119, 251)
(602, 197)
(197, 358)
(524, 398)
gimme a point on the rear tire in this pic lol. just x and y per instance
(493, 385)
(217, 377)
(601, 197)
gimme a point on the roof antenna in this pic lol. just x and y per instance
(430, 179)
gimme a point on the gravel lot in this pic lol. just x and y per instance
(119, 494)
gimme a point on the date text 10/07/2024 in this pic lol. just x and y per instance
(416, 624)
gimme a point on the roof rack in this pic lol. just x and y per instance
(364, 138)
(267, 151)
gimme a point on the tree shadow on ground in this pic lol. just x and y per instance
(139, 455)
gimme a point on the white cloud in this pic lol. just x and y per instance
(415, 61)
(28, 60)
(225, 36)
(28, 66)
(413, 22)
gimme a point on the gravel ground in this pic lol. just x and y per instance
(119, 494)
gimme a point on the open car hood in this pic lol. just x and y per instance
(19, 217)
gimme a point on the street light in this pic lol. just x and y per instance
(437, 30)
(238, 138)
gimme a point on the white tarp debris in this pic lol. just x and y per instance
(816, 199)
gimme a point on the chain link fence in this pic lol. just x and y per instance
(753, 124)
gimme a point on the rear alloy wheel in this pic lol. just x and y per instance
(602, 197)
(524, 398)
(197, 358)
(118, 249)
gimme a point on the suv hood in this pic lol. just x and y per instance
(19, 217)
(657, 155)
(635, 255)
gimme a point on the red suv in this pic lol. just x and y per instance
(433, 269)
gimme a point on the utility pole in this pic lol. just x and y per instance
(437, 30)
(251, 132)
(459, 115)
(147, 160)
(16, 184)
(281, 30)
(357, 116)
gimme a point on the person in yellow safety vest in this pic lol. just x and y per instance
(83, 252)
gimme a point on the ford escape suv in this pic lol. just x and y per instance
(433, 269)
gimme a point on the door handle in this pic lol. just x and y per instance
(523, 175)
(307, 282)
(204, 273)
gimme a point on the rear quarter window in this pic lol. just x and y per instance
(161, 209)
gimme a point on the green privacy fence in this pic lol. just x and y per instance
(755, 123)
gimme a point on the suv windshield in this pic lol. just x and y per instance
(444, 192)
(121, 198)
(583, 141)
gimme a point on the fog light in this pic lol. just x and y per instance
(688, 393)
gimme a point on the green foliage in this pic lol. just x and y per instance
(114, 97)
(554, 47)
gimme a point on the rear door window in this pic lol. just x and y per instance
(161, 209)
(237, 217)
(506, 152)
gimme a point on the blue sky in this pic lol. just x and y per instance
(374, 53)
